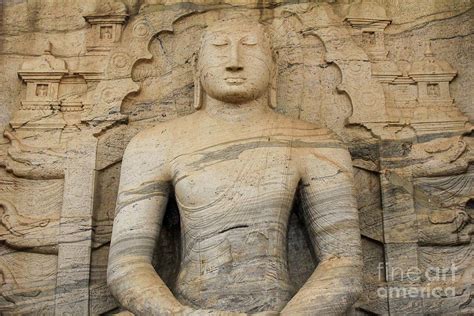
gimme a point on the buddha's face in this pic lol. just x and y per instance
(235, 63)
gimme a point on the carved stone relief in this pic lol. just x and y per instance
(390, 81)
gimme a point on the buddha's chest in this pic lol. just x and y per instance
(233, 176)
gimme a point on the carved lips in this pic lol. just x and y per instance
(235, 80)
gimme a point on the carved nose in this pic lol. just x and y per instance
(234, 68)
(234, 59)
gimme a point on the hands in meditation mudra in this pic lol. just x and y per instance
(235, 167)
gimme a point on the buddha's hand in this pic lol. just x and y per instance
(188, 311)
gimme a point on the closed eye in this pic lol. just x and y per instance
(220, 43)
(249, 41)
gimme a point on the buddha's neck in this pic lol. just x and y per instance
(232, 112)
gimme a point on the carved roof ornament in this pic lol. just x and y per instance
(369, 20)
(432, 77)
(431, 69)
(421, 96)
(45, 67)
(42, 76)
(367, 14)
(107, 23)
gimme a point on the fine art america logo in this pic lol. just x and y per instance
(414, 275)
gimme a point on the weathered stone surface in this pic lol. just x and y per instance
(80, 79)
(234, 188)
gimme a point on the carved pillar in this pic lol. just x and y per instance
(75, 230)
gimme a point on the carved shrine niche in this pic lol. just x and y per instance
(421, 97)
(40, 107)
(369, 20)
(106, 27)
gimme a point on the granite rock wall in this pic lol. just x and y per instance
(392, 78)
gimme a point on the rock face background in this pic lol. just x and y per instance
(392, 78)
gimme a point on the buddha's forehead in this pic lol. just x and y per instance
(235, 30)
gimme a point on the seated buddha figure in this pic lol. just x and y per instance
(235, 168)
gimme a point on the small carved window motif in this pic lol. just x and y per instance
(433, 90)
(42, 90)
(368, 38)
(403, 92)
(106, 33)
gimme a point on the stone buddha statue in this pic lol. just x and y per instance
(235, 167)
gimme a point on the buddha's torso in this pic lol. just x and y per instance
(235, 196)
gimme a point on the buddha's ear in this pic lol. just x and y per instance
(197, 84)
(6, 207)
(272, 91)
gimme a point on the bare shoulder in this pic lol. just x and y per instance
(308, 133)
(317, 149)
(160, 137)
(150, 136)
(148, 154)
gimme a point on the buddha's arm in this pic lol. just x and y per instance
(331, 218)
(141, 204)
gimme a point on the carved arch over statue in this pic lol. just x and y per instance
(366, 95)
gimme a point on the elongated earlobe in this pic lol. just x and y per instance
(197, 93)
(272, 91)
(197, 85)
